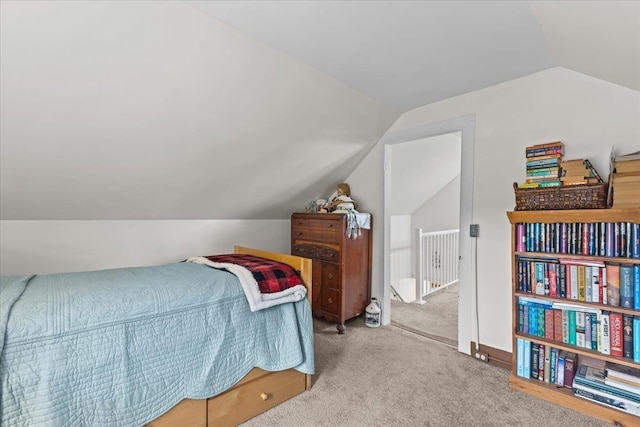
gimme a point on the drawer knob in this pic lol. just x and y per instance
(330, 275)
(264, 396)
(329, 300)
(330, 225)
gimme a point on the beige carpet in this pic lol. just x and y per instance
(390, 377)
(437, 318)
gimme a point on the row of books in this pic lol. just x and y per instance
(607, 332)
(580, 280)
(609, 384)
(610, 239)
(545, 363)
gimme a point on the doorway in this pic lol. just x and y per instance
(464, 127)
(425, 216)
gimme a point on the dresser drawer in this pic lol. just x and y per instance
(251, 398)
(324, 234)
(322, 223)
(315, 251)
(330, 275)
(329, 300)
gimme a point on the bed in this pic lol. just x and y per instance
(159, 346)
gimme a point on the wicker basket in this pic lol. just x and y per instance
(573, 197)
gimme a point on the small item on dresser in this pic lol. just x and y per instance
(342, 201)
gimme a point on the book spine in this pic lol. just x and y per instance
(605, 329)
(520, 357)
(548, 324)
(541, 353)
(598, 333)
(557, 325)
(527, 359)
(603, 281)
(610, 237)
(613, 284)
(569, 368)
(562, 269)
(587, 330)
(552, 365)
(588, 286)
(553, 279)
(626, 286)
(580, 329)
(596, 341)
(520, 238)
(636, 287)
(627, 336)
(616, 334)
(572, 327)
(635, 246)
(560, 368)
(595, 285)
(582, 290)
(547, 363)
(636, 339)
(535, 359)
(573, 275)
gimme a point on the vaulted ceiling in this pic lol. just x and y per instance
(231, 110)
(412, 53)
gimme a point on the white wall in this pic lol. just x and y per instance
(155, 110)
(440, 212)
(420, 168)
(42, 247)
(587, 114)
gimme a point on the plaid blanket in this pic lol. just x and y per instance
(265, 282)
(271, 276)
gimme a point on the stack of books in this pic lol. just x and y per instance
(626, 181)
(543, 165)
(615, 386)
(578, 172)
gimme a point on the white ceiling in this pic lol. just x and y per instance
(161, 110)
(412, 53)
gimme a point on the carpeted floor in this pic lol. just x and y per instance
(437, 318)
(388, 376)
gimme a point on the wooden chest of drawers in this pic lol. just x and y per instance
(341, 265)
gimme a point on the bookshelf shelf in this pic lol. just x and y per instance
(564, 397)
(552, 300)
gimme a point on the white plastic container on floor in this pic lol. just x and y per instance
(373, 314)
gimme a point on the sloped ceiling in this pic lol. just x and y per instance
(412, 53)
(232, 110)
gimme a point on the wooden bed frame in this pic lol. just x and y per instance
(257, 392)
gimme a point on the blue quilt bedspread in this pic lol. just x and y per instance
(121, 347)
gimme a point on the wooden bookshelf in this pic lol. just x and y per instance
(562, 395)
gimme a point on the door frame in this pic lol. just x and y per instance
(465, 125)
